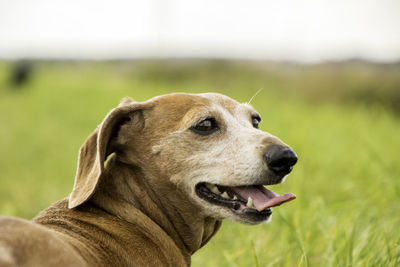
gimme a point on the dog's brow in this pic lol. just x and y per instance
(247, 109)
(196, 114)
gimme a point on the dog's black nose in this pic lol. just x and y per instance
(280, 159)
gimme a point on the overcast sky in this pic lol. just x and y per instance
(302, 30)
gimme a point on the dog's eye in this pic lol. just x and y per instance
(205, 127)
(255, 120)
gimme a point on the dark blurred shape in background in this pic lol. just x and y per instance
(21, 74)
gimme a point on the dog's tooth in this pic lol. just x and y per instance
(215, 189)
(209, 186)
(250, 203)
(225, 195)
(235, 197)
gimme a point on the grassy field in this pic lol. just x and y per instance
(341, 121)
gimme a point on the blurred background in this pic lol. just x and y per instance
(330, 78)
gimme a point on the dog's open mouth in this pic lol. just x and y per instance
(253, 201)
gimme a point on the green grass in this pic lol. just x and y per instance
(347, 179)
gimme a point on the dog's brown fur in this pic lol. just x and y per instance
(126, 212)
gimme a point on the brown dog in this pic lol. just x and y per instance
(153, 183)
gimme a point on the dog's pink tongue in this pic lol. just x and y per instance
(262, 197)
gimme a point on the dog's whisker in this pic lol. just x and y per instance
(251, 99)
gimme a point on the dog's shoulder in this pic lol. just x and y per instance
(104, 239)
(25, 243)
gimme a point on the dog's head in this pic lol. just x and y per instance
(208, 146)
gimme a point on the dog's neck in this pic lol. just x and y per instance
(125, 188)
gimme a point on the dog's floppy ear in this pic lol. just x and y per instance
(94, 152)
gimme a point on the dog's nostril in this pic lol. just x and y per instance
(280, 159)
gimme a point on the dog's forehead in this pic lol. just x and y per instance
(223, 101)
(178, 102)
(181, 103)
(229, 106)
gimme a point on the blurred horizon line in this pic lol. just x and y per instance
(349, 60)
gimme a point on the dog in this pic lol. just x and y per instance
(154, 182)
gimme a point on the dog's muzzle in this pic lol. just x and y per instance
(253, 202)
